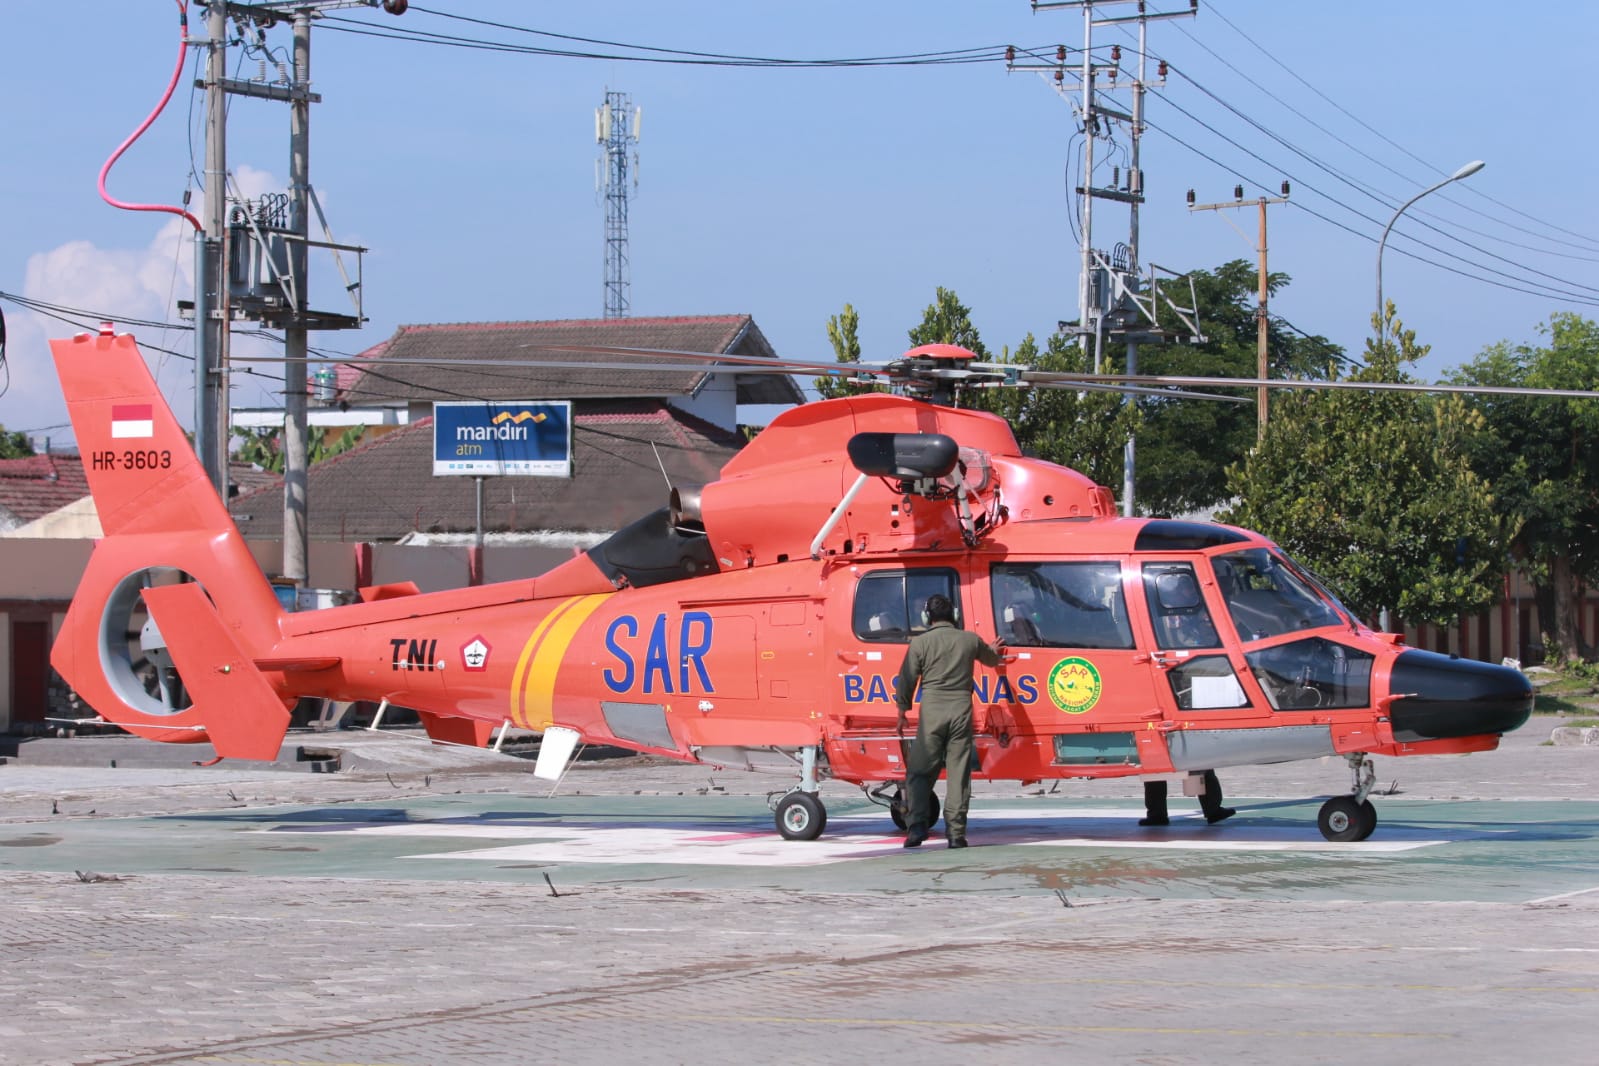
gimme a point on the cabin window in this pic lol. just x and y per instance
(1061, 605)
(1177, 607)
(1266, 598)
(1313, 674)
(890, 605)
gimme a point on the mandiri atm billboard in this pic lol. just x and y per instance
(500, 439)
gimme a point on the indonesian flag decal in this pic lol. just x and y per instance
(130, 420)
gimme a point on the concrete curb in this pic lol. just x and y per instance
(1570, 736)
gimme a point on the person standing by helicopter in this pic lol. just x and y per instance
(942, 659)
(1210, 801)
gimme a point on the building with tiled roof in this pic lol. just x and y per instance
(48, 495)
(34, 486)
(633, 413)
(384, 490)
(413, 366)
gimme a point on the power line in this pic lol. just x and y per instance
(56, 310)
(1387, 200)
(705, 55)
(678, 57)
(1499, 282)
(1547, 291)
(1437, 171)
(1391, 201)
(1384, 200)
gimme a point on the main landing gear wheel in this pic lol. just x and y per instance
(801, 816)
(899, 809)
(1343, 819)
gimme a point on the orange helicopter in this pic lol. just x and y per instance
(759, 623)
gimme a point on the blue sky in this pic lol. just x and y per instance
(785, 193)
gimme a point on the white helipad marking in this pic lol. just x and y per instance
(1563, 895)
(683, 848)
(1181, 836)
(855, 836)
(1365, 847)
(701, 846)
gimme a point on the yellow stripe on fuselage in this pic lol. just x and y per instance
(518, 715)
(533, 684)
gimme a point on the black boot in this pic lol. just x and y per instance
(1210, 800)
(1155, 803)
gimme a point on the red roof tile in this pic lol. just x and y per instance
(385, 379)
(386, 489)
(39, 484)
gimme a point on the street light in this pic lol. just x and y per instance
(1464, 172)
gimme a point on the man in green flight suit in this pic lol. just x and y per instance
(942, 659)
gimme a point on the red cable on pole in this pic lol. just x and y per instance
(177, 72)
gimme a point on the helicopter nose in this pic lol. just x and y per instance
(1442, 697)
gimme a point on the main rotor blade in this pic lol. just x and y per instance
(1135, 390)
(997, 375)
(715, 357)
(740, 364)
(1066, 379)
(747, 363)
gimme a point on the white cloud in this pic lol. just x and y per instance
(123, 284)
(252, 183)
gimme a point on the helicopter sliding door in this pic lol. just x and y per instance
(1074, 684)
(1205, 697)
(872, 615)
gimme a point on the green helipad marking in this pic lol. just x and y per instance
(1422, 850)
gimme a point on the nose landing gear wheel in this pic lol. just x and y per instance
(1342, 819)
(801, 816)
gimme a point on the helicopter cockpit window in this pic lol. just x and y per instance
(890, 605)
(1177, 608)
(1061, 605)
(1266, 598)
(1312, 674)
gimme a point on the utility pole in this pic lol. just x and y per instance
(210, 294)
(1261, 321)
(616, 126)
(253, 263)
(296, 446)
(1113, 303)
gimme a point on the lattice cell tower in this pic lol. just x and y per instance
(616, 127)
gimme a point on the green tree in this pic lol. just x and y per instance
(1542, 456)
(1375, 491)
(1185, 446)
(261, 447)
(948, 321)
(843, 333)
(1085, 430)
(14, 445)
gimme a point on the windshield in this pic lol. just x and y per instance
(1267, 598)
(1319, 583)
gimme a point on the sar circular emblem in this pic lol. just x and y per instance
(1074, 685)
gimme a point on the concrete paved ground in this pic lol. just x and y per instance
(338, 918)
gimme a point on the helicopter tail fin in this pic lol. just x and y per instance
(172, 611)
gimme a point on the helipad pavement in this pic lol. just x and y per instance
(1457, 851)
(423, 916)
